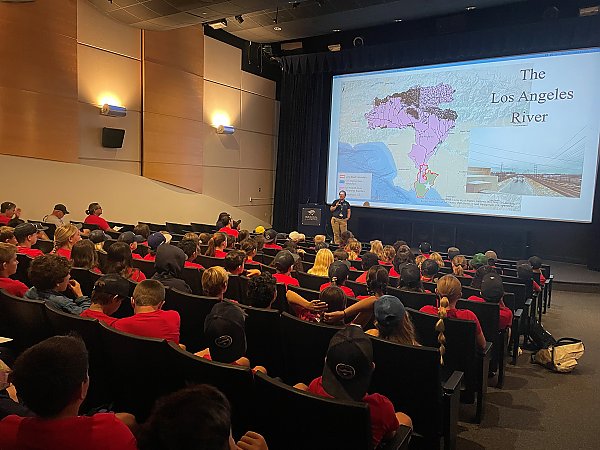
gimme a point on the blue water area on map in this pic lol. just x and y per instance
(376, 158)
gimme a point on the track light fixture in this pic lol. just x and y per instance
(239, 19)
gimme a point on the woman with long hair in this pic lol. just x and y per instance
(435, 256)
(85, 256)
(459, 265)
(64, 239)
(353, 248)
(120, 261)
(449, 291)
(377, 248)
(388, 255)
(217, 245)
(392, 321)
(323, 260)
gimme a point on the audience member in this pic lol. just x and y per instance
(262, 290)
(8, 210)
(536, 265)
(477, 261)
(259, 230)
(64, 239)
(107, 296)
(429, 270)
(404, 255)
(169, 264)
(94, 212)
(435, 256)
(341, 255)
(217, 245)
(388, 255)
(214, 282)
(338, 274)
(197, 417)
(369, 259)
(492, 257)
(353, 248)
(419, 260)
(345, 237)
(85, 256)
(410, 278)
(8, 267)
(51, 277)
(319, 238)
(377, 248)
(296, 237)
(292, 247)
(234, 264)
(155, 240)
(323, 260)
(392, 321)
(98, 237)
(459, 265)
(204, 238)
(452, 253)
(225, 331)
(425, 249)
(399, 244)
(335, 299)
(260, 243)
(26, 234)
(149, 320)
(142, 229)
(222, 220)
(57, 215)
(248, 246)
(492, 290)
(132, 239)
(347, 375)
(227, 226)
(9, 403)
(120, 261)
(320, 245)
(283, 263)
(479, 274)
(190, 248)
(52, 380)
(7, 235)
(270, 238)
(449, 291)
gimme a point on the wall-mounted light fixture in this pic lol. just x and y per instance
(225, 129)
(113, 111)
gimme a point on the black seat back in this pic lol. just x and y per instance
(44, 245)
(307, 294)
(86, 278)
(414, 300)
(304, 348)
(24, 320)
(193, 278)
(192, 309)
(209, 261)
(22, 273)
(263, 336)
(488, 315)
(146, 266)
(235, 290)
(358, 288)
(352, 429)
(308, 281)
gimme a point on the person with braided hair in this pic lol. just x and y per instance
(449, 292)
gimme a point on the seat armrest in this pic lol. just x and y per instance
(453, 383)
(528, 302)
(400, 440)
(518, 314)
(487, 351)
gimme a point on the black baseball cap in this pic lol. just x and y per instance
(27, 229)
(339, 270)
(129, 237)
(491, 287)
(270, 235)
(61, 207)
(388, 310)
(224, 329)
(112, 284)
(98, 236)
(283, 260)
(349, 364)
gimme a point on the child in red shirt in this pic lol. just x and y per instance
(338, 274)
(270, 238)
(109, 291)
(26, 234)
(217, 245)
(8, 267)
(149, 319)
(347, 376)
(283, 262)
(492, 290)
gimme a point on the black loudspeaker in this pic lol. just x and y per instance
(112, 137)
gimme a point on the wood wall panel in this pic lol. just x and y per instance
(221, 150)
(258, 85)
(222, 183)
(173, 92)
(182, 48)
(186, 176)
(45, 17)
(38, 125)
(225, 63)
(258, 113)
(132, 167)
(172, 140)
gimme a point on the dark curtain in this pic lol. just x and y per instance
(306, 89)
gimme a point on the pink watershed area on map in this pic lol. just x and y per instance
(418, 108)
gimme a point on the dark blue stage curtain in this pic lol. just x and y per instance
(306, 90)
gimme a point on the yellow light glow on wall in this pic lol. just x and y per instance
(220, 118)
(108, 98)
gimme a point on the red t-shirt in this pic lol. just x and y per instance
(393, 273)
(383, 417)
(286, 279)
(97, 220)
(108, 320)
(13, 287)
(542, 279)
(156, 324)
(64, 252)
(230, 231)
(273, 246)
(193, 264)
(31, 252)
(137, 275)
(4, 219)
(220, 253)
(136, 256)
(506, 315)
(362, 278)
(150, 257)
(101, 431)
(349, 292)
(463, 314)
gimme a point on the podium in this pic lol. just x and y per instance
(312, 219)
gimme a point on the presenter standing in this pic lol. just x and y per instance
(340, 214)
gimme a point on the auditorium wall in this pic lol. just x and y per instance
(67, 59)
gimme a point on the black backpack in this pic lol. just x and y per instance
(539, 336)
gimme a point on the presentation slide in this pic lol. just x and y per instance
(513, 137)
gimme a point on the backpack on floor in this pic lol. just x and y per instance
(540, 338)
(560, 357)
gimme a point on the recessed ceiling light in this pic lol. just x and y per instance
(277, 28)
(336, 30)
(397, 20)
(470, 8)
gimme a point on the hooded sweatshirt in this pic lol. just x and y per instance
(169, 265)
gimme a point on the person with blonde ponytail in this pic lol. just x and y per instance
(449, 291)
(217, 245)
(353, 248)
(323, 260)
(65, 238)
(459, 264)
(377, 248)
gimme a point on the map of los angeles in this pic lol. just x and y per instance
(418, 108)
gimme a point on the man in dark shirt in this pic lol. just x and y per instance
(340, 214)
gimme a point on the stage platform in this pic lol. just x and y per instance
(574, 277)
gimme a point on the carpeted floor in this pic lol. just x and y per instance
(538, 409)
